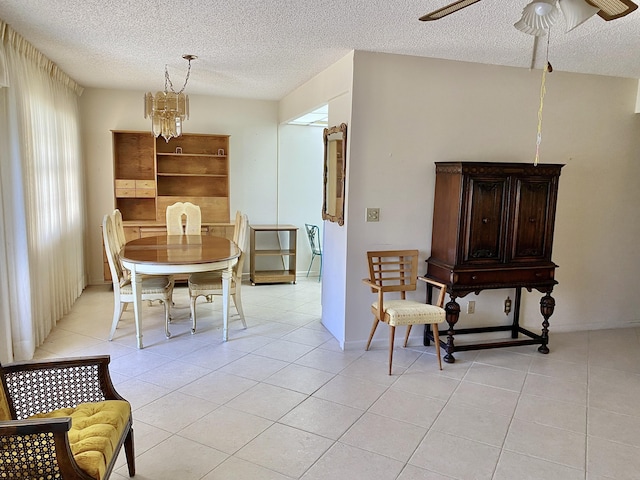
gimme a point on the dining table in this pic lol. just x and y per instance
(179, 254)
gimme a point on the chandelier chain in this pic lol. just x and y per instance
(169, 83)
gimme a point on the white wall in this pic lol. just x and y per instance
(253, 127)
(410, 112)
(333, 87)
(300, 170)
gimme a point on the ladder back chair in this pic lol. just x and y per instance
(210, 283)
(393, 273)
(154, 287)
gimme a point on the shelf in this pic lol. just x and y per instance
(162, 154)
(274, 276)
(191, 175)
(274, 252)
(195, 165)
(137, 208)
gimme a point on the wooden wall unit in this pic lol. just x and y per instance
(151, 173)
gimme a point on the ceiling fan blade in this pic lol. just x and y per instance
(612, 9)
(444, 11)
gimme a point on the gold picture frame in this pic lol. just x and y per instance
(335, 169)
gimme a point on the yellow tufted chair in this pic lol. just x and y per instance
(62, 419)
(393, 273)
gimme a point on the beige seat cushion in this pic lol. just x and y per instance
(96, 429)
(150, 285)
(409, 312)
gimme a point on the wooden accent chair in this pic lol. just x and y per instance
(62, 419)
(396, 272)
(156, 287)
(174, 215)
(210, 283)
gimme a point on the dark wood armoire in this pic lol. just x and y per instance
(493, 228)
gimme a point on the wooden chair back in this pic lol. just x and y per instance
(394, 270)
(174, 215)
(112, 250)
(119, 228)
(243, 235)
(236, 228)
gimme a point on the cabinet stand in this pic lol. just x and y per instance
(452, 309)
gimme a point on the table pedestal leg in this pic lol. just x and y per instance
(226, 282)
(136, 285)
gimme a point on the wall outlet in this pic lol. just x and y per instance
(471, 307)
(373, 215)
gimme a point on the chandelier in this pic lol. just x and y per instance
(168, 109)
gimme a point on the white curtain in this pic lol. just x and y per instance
(42, 220)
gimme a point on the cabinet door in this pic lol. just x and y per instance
(532, 225)
(485, 217)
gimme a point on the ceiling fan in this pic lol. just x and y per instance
(539, 15)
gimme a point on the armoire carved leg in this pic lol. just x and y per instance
(547, 304)
(452, 310)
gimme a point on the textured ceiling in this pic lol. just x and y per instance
(264, 49)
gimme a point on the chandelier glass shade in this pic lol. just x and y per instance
(168, 109)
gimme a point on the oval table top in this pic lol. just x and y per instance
(179, 250)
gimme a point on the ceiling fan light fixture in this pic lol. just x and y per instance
(576, 12)
(538, 17)
(542, 8)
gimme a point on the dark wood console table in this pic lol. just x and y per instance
(492, 229)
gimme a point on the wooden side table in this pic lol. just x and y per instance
(285, 254)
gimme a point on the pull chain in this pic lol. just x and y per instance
(543, 91)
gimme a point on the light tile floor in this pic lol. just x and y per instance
(280, 400)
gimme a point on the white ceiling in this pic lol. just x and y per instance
(264, 49)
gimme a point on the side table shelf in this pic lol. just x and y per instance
(284, 257)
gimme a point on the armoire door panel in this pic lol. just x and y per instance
(531, 219)
(485, 206)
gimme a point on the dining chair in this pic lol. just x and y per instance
(119, 228)
(154, 287)
(210, 283)
(174, 216)
(62, 419)
(236, 227)
(393, 273)
(313, 234)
